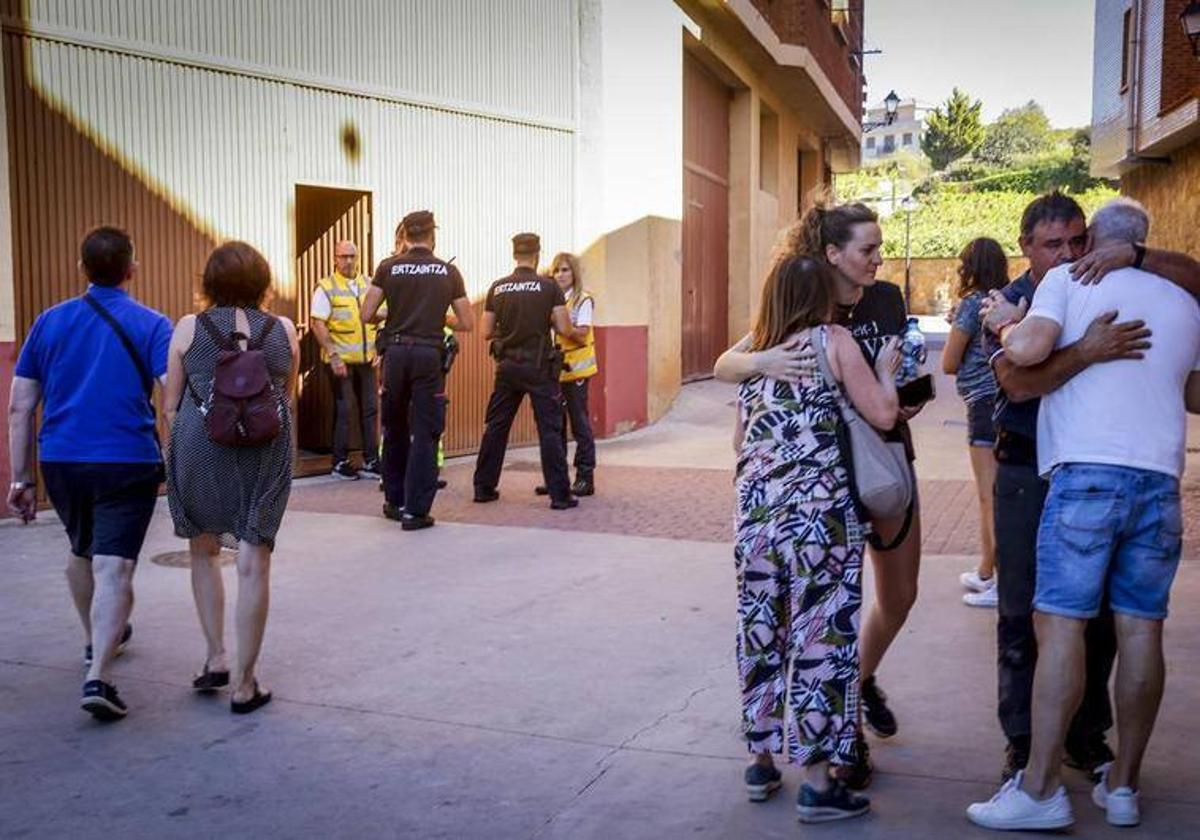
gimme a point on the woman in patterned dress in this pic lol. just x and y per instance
(799, 545)
(222, 494)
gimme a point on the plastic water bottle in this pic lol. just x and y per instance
(912, 353)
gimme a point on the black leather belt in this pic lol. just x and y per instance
(414, 341)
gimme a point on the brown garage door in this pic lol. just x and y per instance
(705, 219)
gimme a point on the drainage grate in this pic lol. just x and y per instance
(183, 560)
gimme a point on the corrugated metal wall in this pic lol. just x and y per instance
(498, 55)
(184, 155)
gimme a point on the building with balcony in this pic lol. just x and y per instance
(882, 140)
(667, 142)
(1146, 114)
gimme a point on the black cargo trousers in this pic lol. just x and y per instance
(414, 418)
(1019, 497)
(516, 377)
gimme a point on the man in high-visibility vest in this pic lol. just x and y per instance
(348, 348)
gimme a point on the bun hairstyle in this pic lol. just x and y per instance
(824, 225)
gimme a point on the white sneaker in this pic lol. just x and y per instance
(1012, 809)
(1121, 805)
(971, 580)
(987, 598)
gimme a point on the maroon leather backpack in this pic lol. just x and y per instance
(242, 408)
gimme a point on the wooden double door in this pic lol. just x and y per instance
(705, 286)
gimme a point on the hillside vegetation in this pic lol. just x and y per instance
(987, 177)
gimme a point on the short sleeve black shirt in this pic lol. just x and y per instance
(418, 288)
(878, 316)
(523, 302)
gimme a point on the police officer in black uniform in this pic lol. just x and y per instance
(418, 288)
(517, 316)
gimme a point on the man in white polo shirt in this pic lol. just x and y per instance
(1112, 441)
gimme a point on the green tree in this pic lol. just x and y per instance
(953, 130)
(1016, 133)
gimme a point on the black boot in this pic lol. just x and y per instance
(583, 485)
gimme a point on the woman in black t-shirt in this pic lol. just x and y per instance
(849, 238)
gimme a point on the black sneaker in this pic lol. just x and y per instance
(564, 504)
(1016, 756)
(762, 781)
(370, 468)
(441, 484)
(392, 512)
(101, 701)
(1089, 756)
(483, 496)
(344, 471)
(876, 714)
(857, 776)
(410, 522)
(583, 485)
(542, 490)
(835, 803)
(87, 650)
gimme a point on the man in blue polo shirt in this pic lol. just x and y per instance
(91, 362)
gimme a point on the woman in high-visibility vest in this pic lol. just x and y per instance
(579, 366)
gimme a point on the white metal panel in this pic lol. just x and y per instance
(226, 152)
(512, 55)
(1151, 80)
(1109, 104)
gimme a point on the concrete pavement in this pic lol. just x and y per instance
(496, 676)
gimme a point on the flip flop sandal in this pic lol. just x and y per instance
(257, 701)
(207, 681)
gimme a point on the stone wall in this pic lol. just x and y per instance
(1171, 194)
(934, 281)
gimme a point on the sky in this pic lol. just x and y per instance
(1004, 52)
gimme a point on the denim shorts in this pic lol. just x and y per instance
(981, 430)
(1108, 530)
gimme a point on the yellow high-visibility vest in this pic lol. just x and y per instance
(353, 341)
(579, 359)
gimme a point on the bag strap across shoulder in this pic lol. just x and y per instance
(819, 341)
(142, 368)
(819, 345)
(126, 342)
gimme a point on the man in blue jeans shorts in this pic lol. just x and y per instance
(1112, 441)
(92, 362)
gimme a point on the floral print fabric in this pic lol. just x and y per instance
(798, 553)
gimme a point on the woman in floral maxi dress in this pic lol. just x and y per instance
(799, 546)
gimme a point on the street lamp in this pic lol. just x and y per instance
(909, 204)
(890, 103)
(1189, 19)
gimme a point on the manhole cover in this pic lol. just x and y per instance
(183, 560)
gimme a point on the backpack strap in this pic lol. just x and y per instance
(225, 343)
(257, 343)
